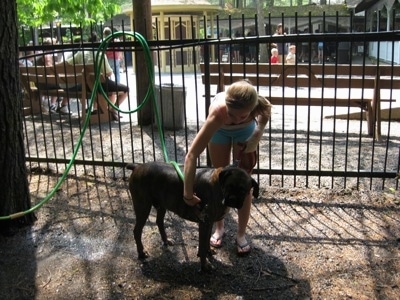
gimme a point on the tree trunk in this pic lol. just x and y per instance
(263, 49)
(270, 3)
(14, 196)
(239, 4)
(143, 25)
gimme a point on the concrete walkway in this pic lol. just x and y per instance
(196, 110)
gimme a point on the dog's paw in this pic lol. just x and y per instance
(207, 267)
(143, 255)
(211, 252)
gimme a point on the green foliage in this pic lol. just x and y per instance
(37, 12)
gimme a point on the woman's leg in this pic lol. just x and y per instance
(243, 219)
(117, 100)
(121, 98)
(53, 100)
(114, 89)
(220, 155)
(243, 215)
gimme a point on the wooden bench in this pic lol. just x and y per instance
(66, 77)
(30, 79)
(342, 79)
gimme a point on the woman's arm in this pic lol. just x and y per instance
(107, 70)
(254, 139)
(212, 124)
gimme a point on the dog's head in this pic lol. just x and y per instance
(236, 184)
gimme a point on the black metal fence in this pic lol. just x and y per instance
(302, 146)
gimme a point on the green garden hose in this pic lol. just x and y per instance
(98, 88)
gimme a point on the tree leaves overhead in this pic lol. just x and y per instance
(37, 12)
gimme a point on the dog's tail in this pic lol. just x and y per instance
(131, 166)
(256, 188)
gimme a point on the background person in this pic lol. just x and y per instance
(48, 59)
(274, 56)
(252, 47)
(320, 52)
(113, 55)
(235, 124)
(109, 86)
(26, 59)
(291, 57)
(282, 47)
(304, 51)
(236, 49)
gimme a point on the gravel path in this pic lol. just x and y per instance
(307, 244)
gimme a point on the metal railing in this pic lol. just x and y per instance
(302, 146)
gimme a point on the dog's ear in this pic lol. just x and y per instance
(256, 188)
(223, 175)
(131, 166)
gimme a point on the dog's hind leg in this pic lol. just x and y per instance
(161, 211)
(205, 229)
(141, 219)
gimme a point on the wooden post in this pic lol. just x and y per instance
(142, 22)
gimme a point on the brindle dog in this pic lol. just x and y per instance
(158, 184)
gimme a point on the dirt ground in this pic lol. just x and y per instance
(307, 244)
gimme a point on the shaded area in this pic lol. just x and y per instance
(307, 243)
(18, 266)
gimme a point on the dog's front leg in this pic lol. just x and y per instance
(204, 245)
(161, 211)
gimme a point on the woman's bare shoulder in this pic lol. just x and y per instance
(218, 107)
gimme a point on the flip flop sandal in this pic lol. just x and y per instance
(240, 248)
(216, 242)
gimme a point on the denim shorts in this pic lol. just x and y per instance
(229, 136)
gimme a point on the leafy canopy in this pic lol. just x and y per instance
(37, 12)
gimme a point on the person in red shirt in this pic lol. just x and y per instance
(113, 56)
(274, 56)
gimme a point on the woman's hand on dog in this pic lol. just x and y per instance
(192, 201)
